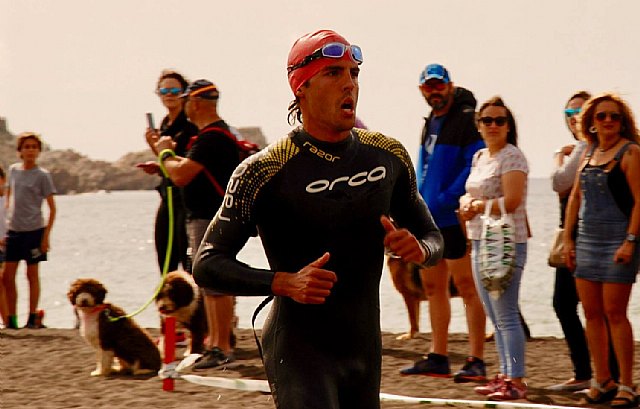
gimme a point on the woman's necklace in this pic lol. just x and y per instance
(603, 150)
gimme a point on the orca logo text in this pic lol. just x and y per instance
(358, 179)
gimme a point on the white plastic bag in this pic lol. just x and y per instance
(497, 253)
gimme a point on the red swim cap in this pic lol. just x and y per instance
(305, 46)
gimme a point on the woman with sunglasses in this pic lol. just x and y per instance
(604, 205)
(175, 124)
(499, 172)
(565, 295)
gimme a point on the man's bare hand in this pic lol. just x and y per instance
(149, 167)
(311, 285)
(401, 243)
(152, 136)
(165, 142)
(567, 149)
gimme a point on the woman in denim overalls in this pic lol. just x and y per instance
(605, 255)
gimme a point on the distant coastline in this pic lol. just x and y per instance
(73, 172)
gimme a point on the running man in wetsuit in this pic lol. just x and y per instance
(321, 199)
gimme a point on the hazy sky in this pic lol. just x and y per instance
(82, 73)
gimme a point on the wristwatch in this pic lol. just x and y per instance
(632, 238)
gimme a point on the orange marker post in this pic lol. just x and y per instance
(169, 349)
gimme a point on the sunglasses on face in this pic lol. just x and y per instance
(329, 50)
(569, 112)
(434, 86)
(488, 120)
(172, 91)
(614, 116)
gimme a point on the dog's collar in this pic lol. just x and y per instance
(99, 308)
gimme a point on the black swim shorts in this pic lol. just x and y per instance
(455, 242)
(25, 245)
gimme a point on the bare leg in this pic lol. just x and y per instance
(224, 316)
(9, 282)
(436, 283)
(209, 309)
(591, 295)
(4, 310)
(476, 318)
(616, 300)
(34, 287)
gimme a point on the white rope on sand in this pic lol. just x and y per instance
(174, 369)
(251, 385)
(469, 403)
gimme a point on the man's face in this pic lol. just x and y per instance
(437, 93)
(328, 101)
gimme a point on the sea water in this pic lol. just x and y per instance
(109, 237)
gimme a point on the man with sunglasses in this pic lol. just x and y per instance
(211, 158)
(449, 141)
(321, 199)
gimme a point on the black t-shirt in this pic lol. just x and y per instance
(180, 130)
(218, 153)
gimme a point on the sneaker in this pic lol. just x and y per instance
(473, 370)
(35, 320)
(493, 386)
(13, 322)
(509, 391)
(212, 358)
(434, 365)
(570, 385)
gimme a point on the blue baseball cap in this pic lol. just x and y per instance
(434, 71)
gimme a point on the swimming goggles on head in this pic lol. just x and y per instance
(329, 50)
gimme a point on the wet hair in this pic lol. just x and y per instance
(512, 134)
(628, 128)
(24, 136)
(294, 112)
(175, 75)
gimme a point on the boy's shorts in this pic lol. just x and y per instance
(25, 245)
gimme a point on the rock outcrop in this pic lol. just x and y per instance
(73, 172)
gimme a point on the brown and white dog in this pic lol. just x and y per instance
(408, 281)
(121, 338)
(181, 298)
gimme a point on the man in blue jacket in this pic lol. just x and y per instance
(449, 141)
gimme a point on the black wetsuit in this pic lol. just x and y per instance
(304, 198)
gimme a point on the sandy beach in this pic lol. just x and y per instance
(49, 368)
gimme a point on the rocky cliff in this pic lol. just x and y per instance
(73, 172)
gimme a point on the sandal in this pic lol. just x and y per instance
(601, 392)
(625, 398)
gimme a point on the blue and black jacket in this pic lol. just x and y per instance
(442, 182)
